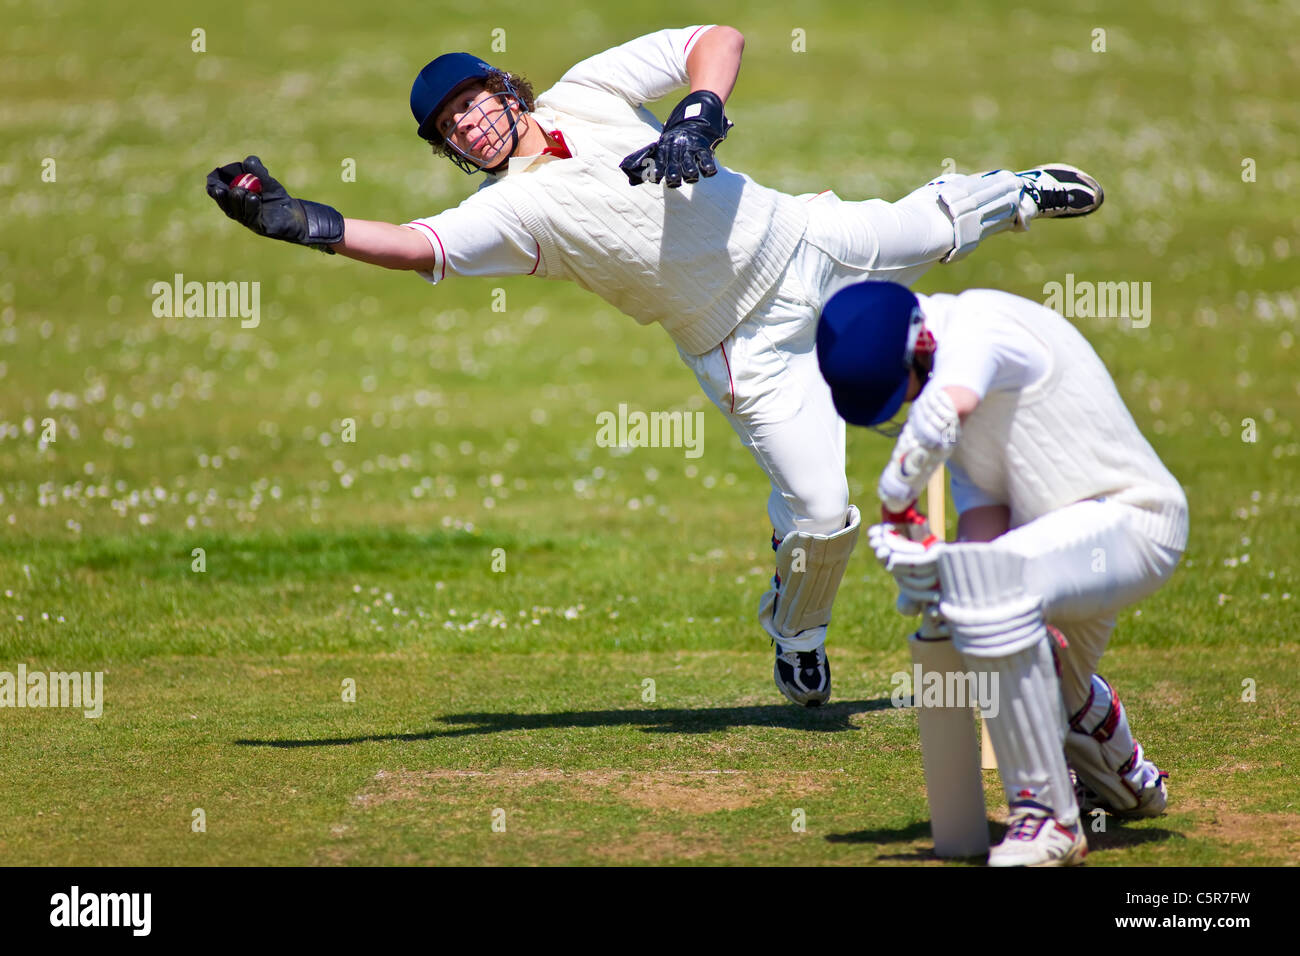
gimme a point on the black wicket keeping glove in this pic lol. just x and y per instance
(684, 151)
(274, 213)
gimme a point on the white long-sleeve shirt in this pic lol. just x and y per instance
(696, 259)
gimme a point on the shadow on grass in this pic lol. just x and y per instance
(913, 831)
(651, 720)
(1120, 837)
(908, 834)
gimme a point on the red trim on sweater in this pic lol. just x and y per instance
(730, 381)
(443, 252)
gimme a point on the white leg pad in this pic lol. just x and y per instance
(1028, 730)
(979, 206)
(999, 631)
(950, 756)
(809, 568)
(1102, 750)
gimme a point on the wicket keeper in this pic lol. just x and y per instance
(583, 183)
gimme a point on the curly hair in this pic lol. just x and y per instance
(495, 83)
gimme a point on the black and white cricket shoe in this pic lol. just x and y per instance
(1061, 191)
(803, 676)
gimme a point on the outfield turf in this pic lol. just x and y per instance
(497, 587)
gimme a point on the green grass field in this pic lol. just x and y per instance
(496, 587)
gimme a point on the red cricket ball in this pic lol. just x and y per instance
(247, 181)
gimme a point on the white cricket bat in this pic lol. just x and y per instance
(935, 503)
(953, 782)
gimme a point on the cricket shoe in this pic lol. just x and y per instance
(1058, 191)
(1036, 838)
(803, 676)
(1151, 799)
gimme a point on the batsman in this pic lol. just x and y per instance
(1067, 516)
(584, 184)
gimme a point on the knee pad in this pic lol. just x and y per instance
(809, 568)
(985, 602)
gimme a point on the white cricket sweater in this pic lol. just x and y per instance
(1063, 438)
(696, 259)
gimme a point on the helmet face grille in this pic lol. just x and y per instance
(502, 132)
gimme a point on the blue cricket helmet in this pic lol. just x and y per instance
(436, 84)
(864, 344)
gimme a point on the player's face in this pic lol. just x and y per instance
(477, 124)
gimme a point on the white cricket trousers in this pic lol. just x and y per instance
(764, 375)
(1088, 561)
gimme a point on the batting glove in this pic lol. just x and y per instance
(910, 523)
(274, 213)
(914, 526)
(914, 565)
(684, 152)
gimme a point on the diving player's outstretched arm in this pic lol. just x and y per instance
(385, 244)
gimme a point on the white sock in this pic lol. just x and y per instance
(1028, 209)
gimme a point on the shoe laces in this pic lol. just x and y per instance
(1025, 826)
(808, 661)
(1049, 198)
